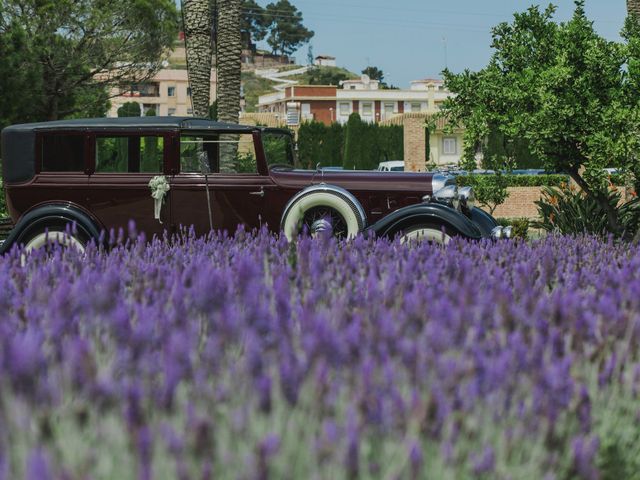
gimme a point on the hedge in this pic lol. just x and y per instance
(358, 145)
(515, 180)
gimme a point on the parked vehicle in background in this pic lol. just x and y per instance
(391, 166)
(97, 174)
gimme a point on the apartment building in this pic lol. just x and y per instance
(327, 104)
(167, 93)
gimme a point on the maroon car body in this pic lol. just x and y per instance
(54, 165)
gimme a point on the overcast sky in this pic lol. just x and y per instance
(408, 38)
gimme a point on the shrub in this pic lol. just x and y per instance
(516, 180)
(569, 211)
(520, 226)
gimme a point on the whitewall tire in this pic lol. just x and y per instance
(306, 207)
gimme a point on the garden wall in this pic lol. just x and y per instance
(519, 203)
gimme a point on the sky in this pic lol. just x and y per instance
(415, 39)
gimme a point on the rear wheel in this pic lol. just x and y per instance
(322, 212)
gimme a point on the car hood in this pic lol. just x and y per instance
(355, 179)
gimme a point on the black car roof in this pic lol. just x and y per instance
(182, 123)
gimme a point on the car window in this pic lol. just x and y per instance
(228, 153)
(279, 148)
(63, 153)
(132, 154)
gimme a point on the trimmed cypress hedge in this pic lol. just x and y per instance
(515, 180)
(357, 145)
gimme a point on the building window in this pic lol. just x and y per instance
(367, 109)
(171, 91)
(352, 87)
(389, 108)
(147, 107)
(345, 108)
(171, 112)
(450, 146)
(416, 107)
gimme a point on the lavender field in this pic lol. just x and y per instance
(249, 358)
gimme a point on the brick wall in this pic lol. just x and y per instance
(519, 203)
(415, 144)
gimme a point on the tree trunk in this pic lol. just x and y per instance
(197, 30)
(228, 57)
(633, 7)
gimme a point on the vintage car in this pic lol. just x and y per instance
(96, 174)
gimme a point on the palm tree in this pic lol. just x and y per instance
(633, 7)
(228, 62)
(197, 29)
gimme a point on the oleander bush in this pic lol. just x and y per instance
(569, 210)
(248, 357)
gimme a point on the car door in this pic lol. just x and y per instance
(234, 198)
(123, 164)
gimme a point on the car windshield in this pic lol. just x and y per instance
(279, 148)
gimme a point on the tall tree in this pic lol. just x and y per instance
(73, 51)
(287, 31)
(228, 55)
(374, 73)
(253, 23)
(572, 95)
(197, 16)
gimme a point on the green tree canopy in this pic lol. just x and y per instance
(253, 23)
(286, 29)
(572, 95)
(71, 51)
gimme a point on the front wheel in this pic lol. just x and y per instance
(425, 233)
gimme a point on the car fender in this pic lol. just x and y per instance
(483, 220)
(44, 214)
(436, 213)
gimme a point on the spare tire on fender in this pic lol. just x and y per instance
(321, 207)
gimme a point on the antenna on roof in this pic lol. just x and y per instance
(446, 60)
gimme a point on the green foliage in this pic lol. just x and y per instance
(490, 190)
(570, 211)
(520, 226)
(3, 202)
(325, 76)
(129, 109)
(508, 151)
(367, 144)
(150, 113)
(374, 73)
(286, 30)
(570, 94)
(516, 180)
(253, 23)
(213, 110)
(318, 143)
(253, 86)
(322, 75)
(58, 58)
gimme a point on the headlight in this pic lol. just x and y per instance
(448, 195)
(467, 197)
